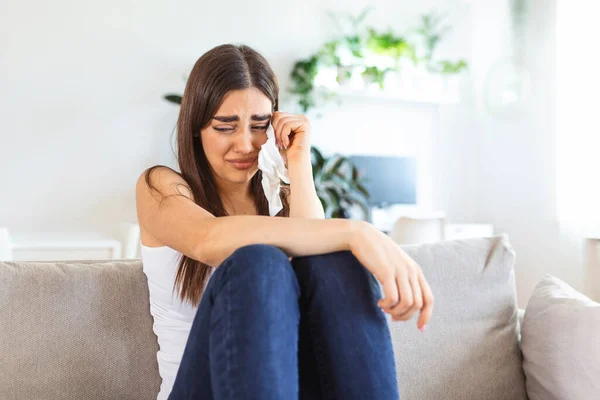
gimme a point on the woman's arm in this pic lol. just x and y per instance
(292, 133)
(178, 222)
(219, 237)
(303, 198)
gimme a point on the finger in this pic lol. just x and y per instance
(286, 130)
(417, 298)
(275, 120)
(406, 297)
(283, 154)
(279, 130)
(390, 293)
(428, 302)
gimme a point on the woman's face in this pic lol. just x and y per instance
(233, 138)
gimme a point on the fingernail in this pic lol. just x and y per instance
(422, 329)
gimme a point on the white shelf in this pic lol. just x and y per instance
(64, 246)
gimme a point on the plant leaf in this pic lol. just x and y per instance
(173, 98)
(317, 158)
(363, 190)
(334, 163)
(363, 14)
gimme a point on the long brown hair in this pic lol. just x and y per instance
(222, 69)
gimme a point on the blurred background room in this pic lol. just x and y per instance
(458, 118)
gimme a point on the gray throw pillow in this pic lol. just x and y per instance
(470, 348)
(561, 343)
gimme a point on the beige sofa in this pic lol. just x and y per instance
(82, 330)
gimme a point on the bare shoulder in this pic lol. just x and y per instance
(163, 180)
(153, 185)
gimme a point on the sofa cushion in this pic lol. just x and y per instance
(83, 330)
(561, 347)
(76, 330)
(470, 347)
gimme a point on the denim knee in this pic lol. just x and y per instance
(315, 263)
(259, 263)
(259, 254)
(342, 267)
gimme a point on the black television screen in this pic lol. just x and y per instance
(389, 179)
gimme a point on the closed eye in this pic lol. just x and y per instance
(264, 127)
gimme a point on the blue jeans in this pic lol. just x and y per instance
(267, 328)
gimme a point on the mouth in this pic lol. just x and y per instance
(243, 163)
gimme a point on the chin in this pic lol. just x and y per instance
(240, 176)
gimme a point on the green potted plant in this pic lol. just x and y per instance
(351, 43)
(303, 77)
(388, 44)
(431, 32)
(338, 184)
(374, 75)
(353, 48)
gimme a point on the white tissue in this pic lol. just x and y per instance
(270, 162)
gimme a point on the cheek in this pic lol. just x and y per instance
(260, 140)
(215, 146)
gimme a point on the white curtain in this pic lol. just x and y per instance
(578, 116)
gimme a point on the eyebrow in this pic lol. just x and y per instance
(232, 118)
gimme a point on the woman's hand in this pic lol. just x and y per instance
(405, 290)
(292, 134)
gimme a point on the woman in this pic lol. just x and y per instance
(292, 308)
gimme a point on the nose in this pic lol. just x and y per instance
(243, 142)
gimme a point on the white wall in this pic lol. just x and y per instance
(82, 115)
(516, 158)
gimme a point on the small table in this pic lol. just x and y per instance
(58, 246)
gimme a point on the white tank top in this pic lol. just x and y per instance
(172, 317)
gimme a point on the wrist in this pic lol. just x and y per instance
(299, 156)
(355, 230)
